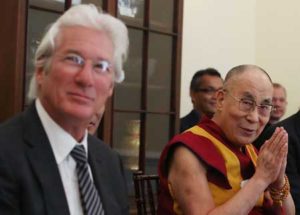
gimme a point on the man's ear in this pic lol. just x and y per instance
(111, 89)
(220, 99)
(39, 75)
(192, 95)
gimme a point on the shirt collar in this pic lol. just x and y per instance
(61, 141)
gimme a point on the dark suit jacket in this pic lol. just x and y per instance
(30, 182)
(189, 120)
(292, 126)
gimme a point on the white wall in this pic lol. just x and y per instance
(219, 34)
(223, 34)
(278, 45)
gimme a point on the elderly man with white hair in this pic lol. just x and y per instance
(49, 164)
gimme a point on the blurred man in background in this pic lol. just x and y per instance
(204, 85)
(279, 101)
(95, 121)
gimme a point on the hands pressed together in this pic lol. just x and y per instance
(272, 159)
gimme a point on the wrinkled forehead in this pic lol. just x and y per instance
(252, 85)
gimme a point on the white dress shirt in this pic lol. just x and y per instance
(62, 144)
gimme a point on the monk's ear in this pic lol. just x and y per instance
(220, 99)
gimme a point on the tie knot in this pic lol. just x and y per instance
(79, 154)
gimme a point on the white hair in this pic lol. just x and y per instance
(86, 15)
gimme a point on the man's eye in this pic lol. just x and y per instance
(265, 107)
(282, 100)
(75, 59)
(211, 90)
(102, 66)
(247, 102)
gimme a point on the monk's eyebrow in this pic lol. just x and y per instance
(247, 95)
(266, 102)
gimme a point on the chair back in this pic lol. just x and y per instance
(146, 193)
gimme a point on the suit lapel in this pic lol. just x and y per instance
(99, 167)
(42, 160)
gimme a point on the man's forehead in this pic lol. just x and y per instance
(247, 81)
(259, 97)
(250, 73)
(209, 79)
(278, 90)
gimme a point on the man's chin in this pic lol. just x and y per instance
(81, 114)
(209, 114)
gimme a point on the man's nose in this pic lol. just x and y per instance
(253, 115)
(214, 95)
(85, 75)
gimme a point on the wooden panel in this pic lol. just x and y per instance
(178, 19)
(12, 56)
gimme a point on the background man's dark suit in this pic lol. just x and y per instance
(29, 174)
(292, 126)
(189, 120)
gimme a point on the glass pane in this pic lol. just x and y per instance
(128, 93)
(37, 22)
(98, 3)
(131, 11)
(126, 141)
(126, 138)
(161, 18)
(157, 136)
(54, 5)
(159, 72)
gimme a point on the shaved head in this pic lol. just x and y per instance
(246, 88)
(233, 74)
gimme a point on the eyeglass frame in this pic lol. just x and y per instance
(254, 105)
(208, 90)
(77, 60)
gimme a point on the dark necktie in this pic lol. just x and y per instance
(89, 195)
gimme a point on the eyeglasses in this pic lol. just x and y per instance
(208, 90)
(76, 60)
(248, 105)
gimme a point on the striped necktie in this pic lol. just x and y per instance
(89, 195)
